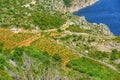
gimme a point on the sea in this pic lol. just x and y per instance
(103, 11)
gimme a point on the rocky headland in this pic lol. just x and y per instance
(80, 4)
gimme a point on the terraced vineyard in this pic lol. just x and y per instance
(45, 44)
(10, 39)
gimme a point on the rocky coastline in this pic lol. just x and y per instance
(77, 5)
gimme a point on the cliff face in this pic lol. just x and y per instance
(105, 29)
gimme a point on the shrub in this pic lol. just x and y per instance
(69, 65)
(57, 57)
(2, 62)
(98, 54)
(115, 54)
(59, 30)
(1, 46)
(77, 28)
(47, 21)
(67, 3)
(82, 70)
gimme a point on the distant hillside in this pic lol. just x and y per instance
(33, 14)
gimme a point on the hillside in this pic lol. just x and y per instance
(43, 40)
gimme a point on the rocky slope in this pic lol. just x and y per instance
(79, 4)
(75, 5)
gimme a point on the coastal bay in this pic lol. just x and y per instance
(103, 11)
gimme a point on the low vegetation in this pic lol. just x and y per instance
(117, 38)
(29, 17)
(28, 63)
(93, 69)
(45, 20)
(77, 28)
(115, 54)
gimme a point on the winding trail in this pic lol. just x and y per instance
(28, 41)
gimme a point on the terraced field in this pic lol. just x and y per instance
(10, 39)
(52, 47)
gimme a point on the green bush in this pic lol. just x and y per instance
(59, 30)
(2, 62)
(69, 65)
(117, 38)
(115, 54)
(57, 58)
(77, 28)
(98, 54)
(66, 37)
(1, 46)
(67, 3)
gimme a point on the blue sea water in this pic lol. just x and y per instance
(104, 11)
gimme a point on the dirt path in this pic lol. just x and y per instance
(63, 27)
(28, 41)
